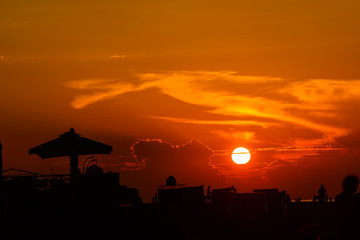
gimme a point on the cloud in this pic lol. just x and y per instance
(104, 89)
(117, 56)
(284, 121)
(306, 104)
(324, 93)
(159, 154)
(154, 149)
(264, 162)
(215, 122)
(156, 159)
(189, 162)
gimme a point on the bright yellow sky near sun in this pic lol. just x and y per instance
(254, 73)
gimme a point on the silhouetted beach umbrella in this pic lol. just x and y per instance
(70, 144)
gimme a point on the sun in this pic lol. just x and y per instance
(241, 155)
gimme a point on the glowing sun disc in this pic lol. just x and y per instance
(240, 155)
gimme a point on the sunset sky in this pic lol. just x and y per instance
(175, 86)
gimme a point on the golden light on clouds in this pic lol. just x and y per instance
(231, 95)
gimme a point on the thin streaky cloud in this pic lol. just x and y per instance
(117, 56)
(216, 122)
(230, 94)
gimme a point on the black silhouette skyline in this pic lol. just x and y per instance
(260, 214)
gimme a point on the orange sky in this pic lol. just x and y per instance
(174, 86)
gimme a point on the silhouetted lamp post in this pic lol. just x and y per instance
(1, 162)
(72, 145)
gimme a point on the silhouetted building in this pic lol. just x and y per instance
(251, 206)
(177, 199)
(194, 197)
(182, 197)
(220, 199)
(172, 197)
(275, 201)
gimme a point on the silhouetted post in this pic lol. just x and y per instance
(74, 157)
(1, 162)
(74, 162)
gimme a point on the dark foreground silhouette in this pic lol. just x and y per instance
(67, 212)
(93, 205)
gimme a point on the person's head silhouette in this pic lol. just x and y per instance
(350, 184)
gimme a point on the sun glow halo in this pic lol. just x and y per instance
(240, 155)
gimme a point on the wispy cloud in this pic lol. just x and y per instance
(215, 122)
(313, 104)
(117, 56)
(104, 89)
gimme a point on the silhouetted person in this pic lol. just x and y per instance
(299, 199)
(208, 194)
(314, 198)
(288, 199)
(322, 193)
(171, 181)
(233, 189)
(347, 206)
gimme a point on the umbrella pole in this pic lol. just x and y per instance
(74, 162)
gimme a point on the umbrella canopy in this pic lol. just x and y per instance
(70, 144)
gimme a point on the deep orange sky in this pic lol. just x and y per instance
(174, 82)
